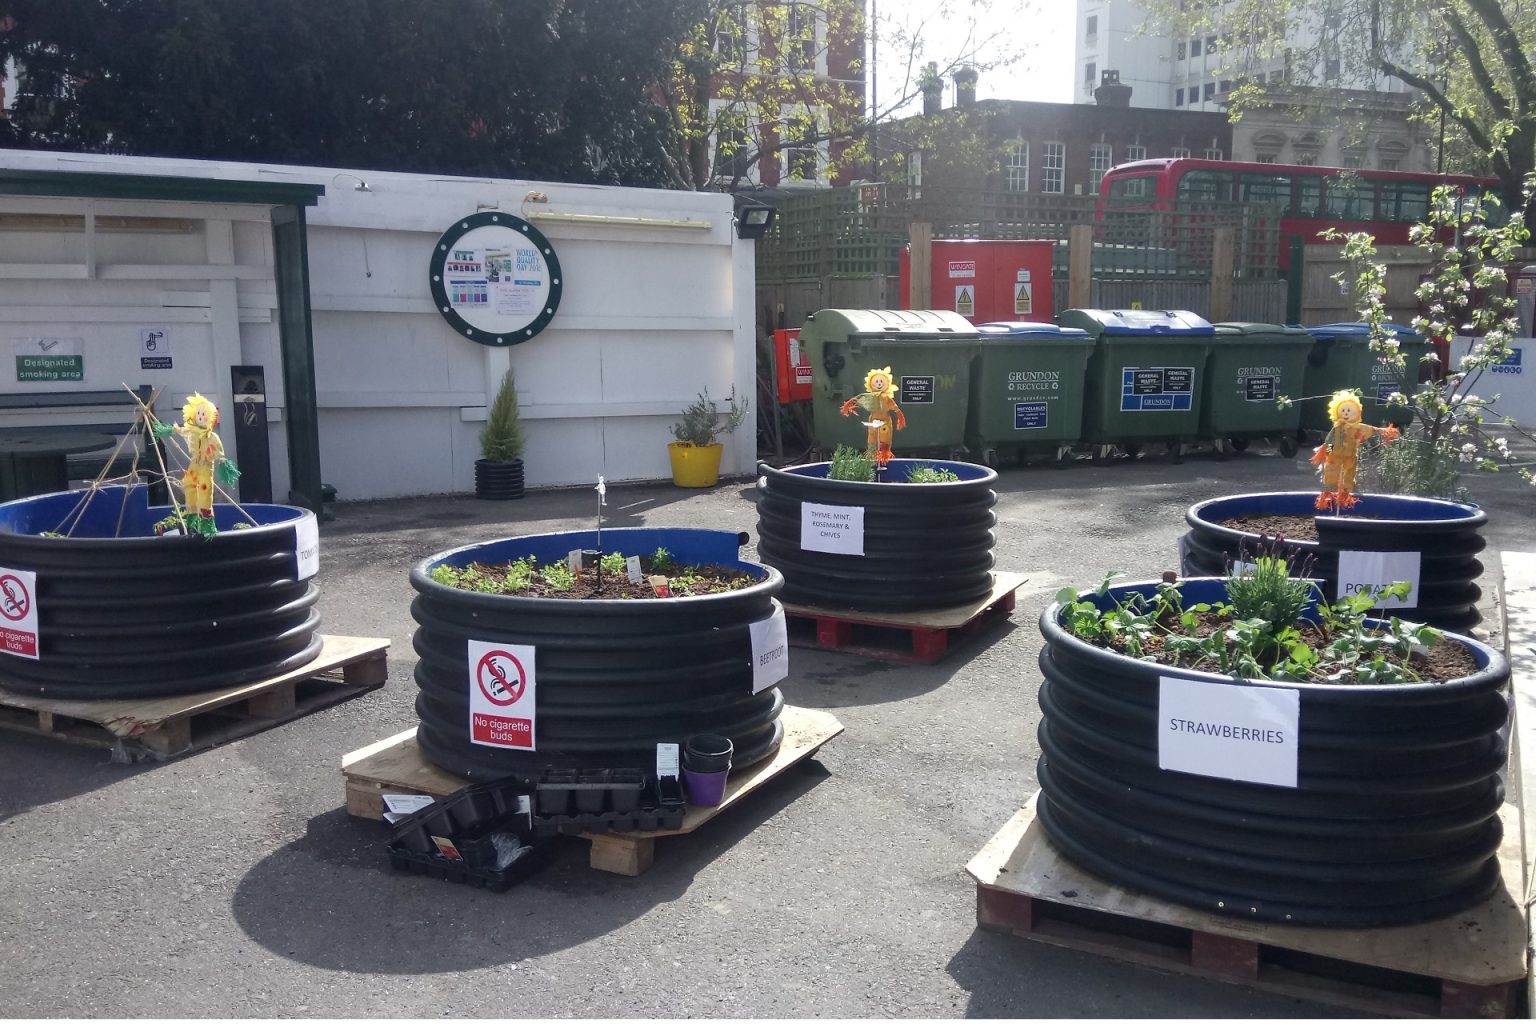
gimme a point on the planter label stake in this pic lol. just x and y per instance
(18, 613)
(307, 546)
(632, 567)
(1362, 571)
(1242, 733)
(501, 695)
(835, 529)
(770, 650)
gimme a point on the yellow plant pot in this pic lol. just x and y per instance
(694, 465)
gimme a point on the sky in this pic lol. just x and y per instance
(1039, 33)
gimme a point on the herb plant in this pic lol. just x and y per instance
(926, 474)
(851, 464)
(702, 422)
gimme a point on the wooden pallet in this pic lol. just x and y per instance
(159, 728)
(396, 765)
(920, 637)
(1471, 964)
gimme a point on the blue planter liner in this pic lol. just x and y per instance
(614, 677)
(123, 613)
(1446, 534)
(1394, 817)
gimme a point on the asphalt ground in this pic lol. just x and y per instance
(232, 883)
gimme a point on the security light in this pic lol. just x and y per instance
(753, 218)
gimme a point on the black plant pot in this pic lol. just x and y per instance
(1445, 534)
(613, 677)
(1394, 817)
(498, 481)
(924, 545)
(123, 613)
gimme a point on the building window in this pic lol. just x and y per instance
(1330, 69)
(1179, 52)
(1306, 159)
(1089, 72)
(1180, 153)
(1194, 47)
(1093, 26)
(800, 154)
(1178, 97)
(734, 153)
(1214, 154)
(1390, 163)
(1209, 91)
(1101, 157)
(1276, 77)
(1210, 44)
(1226, 86)
(800, 37)
(1017, 167)
(1266, 158)
(1135, 153)
(915, 174)
(1054, 168)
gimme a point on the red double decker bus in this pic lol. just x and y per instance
(1308, 199)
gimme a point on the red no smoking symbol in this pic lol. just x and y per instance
(14, 599)
(501, 678)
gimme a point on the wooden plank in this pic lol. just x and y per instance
(1003, 586)
(1484, 946)
(133, 718)
(1517, 601)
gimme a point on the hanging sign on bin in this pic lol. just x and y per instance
(1243, 733)
(501, 695)
(18, 613)
(835, 529)
(1361, 571)
(770, 650)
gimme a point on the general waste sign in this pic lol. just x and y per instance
(18, 612)
(501, 695)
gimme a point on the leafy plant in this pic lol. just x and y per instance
(926, 474)
(558, 575)
(661, 560)
(501, 440)
(613, 563)
(1259, 633)
(1465, 295)
(851, 464)
(702, 423)
(1411, 466)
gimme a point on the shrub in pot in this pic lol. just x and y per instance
(695, 455)
(499, 470)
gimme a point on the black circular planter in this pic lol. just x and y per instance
(1446, 534)
(123, 613)
(1394, 819)
(498, 481)
(925, 545)
(613, 677)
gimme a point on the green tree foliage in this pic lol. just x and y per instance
(529, 88)
(1470, 58)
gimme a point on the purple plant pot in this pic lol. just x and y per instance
(705, 789)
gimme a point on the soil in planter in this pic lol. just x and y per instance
(527, 578)
(1289, 527)
(1444, 661)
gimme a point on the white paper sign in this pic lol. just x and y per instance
(307, 545)
(1372, 570)
(407, 803)
(770, 650)
(667, 760)
(632, 567)
(1227, 731)
(835, 529)
(18, 613)
(501, 695)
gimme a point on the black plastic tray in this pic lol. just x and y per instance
(435, 865)
(659, 805)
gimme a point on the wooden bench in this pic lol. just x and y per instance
(88, 465)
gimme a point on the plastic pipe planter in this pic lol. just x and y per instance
(1437, 539)
(115, 611)
(514, 686)
(878, 546)
(1393, 818)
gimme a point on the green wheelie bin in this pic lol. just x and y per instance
(1341, 357)
(929, 353)
(1027, 391)
(1146, 377)
(1252, 365)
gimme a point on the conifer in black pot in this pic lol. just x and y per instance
(499, 472)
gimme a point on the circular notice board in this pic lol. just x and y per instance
(495, 278)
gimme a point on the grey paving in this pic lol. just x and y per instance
(231, 883)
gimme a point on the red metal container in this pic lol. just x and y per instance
(794, 366)
(988, 281)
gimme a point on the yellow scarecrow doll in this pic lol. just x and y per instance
(879, 400)
(1339, 454)
(205, 457)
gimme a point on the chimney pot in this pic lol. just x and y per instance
(1110, 92)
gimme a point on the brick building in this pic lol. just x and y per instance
(1046, 148)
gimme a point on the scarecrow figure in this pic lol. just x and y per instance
(879, 400)
(1339, 453)
(205, 454)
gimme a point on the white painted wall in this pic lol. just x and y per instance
(651, 314)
